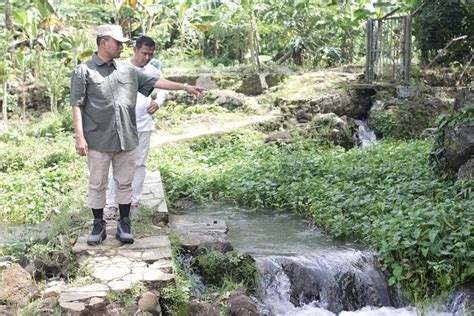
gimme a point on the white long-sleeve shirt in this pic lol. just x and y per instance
(145, 121)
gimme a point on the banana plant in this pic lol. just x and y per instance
(6, 72)
(54, 77)
(23, 61)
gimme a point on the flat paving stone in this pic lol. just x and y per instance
(194, 230)
(118, 266)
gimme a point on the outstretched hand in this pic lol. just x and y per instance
(195, 90)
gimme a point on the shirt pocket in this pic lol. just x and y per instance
(127, 89)
(95, 86)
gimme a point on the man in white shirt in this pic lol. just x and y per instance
(145, 108)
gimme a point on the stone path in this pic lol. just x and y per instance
(116, 266)
(160, 138)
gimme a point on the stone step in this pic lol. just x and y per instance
(117, 266)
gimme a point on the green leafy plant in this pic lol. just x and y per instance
(220, 270)
(128, 298)
(385, 196)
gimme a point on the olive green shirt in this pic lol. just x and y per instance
(106, 94)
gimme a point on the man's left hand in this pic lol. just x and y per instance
(153, 107)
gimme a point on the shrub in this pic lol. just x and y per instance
(438, 23)
(217, 268)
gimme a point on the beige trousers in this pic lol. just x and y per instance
(123, 164)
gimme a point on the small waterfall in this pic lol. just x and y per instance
(322, 284)
(460, 302)
(364, 137)
(303, 272)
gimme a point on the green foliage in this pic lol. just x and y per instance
(174, 297)
(438, 23)
(54, 125)
(127, 298)
(219, 270)
(38, 175)
(12, 161)
(173, 300)
(329, 132)
(385, 196)
(437, 157)
(38, 307)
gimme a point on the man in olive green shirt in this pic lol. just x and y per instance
(103, 96)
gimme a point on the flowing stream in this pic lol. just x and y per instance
(304, 272)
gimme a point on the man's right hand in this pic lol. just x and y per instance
(81, 146)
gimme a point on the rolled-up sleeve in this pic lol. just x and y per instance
(78, 87)
(146, 83)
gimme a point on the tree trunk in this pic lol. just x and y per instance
(5, 102)
(23, 97)
(8, 16)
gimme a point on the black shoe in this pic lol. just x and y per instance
(124, 231)
(98, 232)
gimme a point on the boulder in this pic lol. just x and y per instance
(464, 98)
(405, 118)
(461, 300)
(206, 82)
(330, 129)
(408, 92)
(150, 302)
(459, 144)
(305, 286)
(239, 304)
(353, 103)
(17, 286)
(302, 116)
(53, 289)
(252, 85)
(230, 100)
(281, 137)
(466, 171)
(190, 79)
(203, 309)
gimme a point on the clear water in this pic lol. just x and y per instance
(272, 236)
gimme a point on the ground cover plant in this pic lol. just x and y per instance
(38, 174)
(385, 196)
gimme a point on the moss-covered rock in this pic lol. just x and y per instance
(405, 118)
(330, 130)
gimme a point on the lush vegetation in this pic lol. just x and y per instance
(43, 40)
(386, 196)
(39, 170)
(438, 23)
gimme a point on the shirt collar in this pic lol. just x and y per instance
(99, 62)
